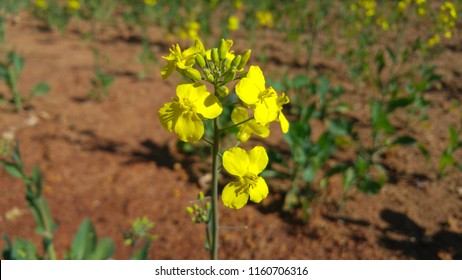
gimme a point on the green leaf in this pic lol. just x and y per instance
(339, 127)
(380, 118)
(40, 89)
(400, 103)
(369, 186)
(446, 159)
(13, 170)
(404, 140)
(142, 254)
(453, 141)
(309, 173)
(23, 250)
(104, 250)
(84, 241)
(379, 61)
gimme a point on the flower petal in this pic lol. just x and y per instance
(167, 70)
(239, 114)
(258, 160)
(247, 91)
(189, 127)
(235, 195)
(259, 192)
(236, 161)
(208, 106)
(169, 114)
(266, 111)
(284, 122)
(256, 75)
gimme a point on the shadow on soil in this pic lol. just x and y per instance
(404, 235)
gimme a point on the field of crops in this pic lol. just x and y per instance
(236, 129)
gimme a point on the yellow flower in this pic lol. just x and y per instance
(265, 18)
(181, 59)
(184, 114)
(73, 5)
(150, 2)
(447, 34)
(42, 4)
(420, 2)
(193, 28)
(245, 165)
(237, 4)
(248, 128)
(435, 39)
(233, 23)
(265, 101)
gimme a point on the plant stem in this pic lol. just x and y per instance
(215, 165)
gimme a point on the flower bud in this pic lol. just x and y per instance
(214, 55)
(236, 61)
(200, 60)
(245, 57)
(200, 195)
(209, 78)
(190, 210)
(224, 48)
(193, 74)
(223, 91)
(230, 75)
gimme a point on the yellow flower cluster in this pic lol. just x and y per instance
(448, 16)
(191, 30)
(368, 6)
(233, 23)
(193, 104)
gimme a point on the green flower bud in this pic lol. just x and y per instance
(200, 195)
(245, 58)
(189, 210)
(236, 61)
(204, 218)
(200, 60)
(214, 55)
(230, 75)
(223, 91)
(209, 78)
(193, 74)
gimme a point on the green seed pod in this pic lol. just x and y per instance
(222, 49)
(236, 61)
(245, 58)
(223, 91)
(200, 60)
(193, 74)
(214, 55)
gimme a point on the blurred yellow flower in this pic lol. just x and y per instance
(435, 39)
(150, 2)
(233, 23)
(265, 18)
(237, 4)
(42, 4)
(73, 5)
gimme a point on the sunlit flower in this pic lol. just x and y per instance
(248, 128)
(233, 23)
(184, 114)
(181, 59)
(265, 101)
(245, 165)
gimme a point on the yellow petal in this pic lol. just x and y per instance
(258, 159)
(266, 111)
(167, 70)
(235, 195)
(247, 91)
(208, 106)
(189, 127)
(284, 122)
(259, 192)
(236, 161)
(169, 114)
(239, 114)
(256, 75)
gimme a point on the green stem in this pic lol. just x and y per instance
(215, 165)
(235, 125)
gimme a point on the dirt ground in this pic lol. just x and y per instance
(112, 161)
